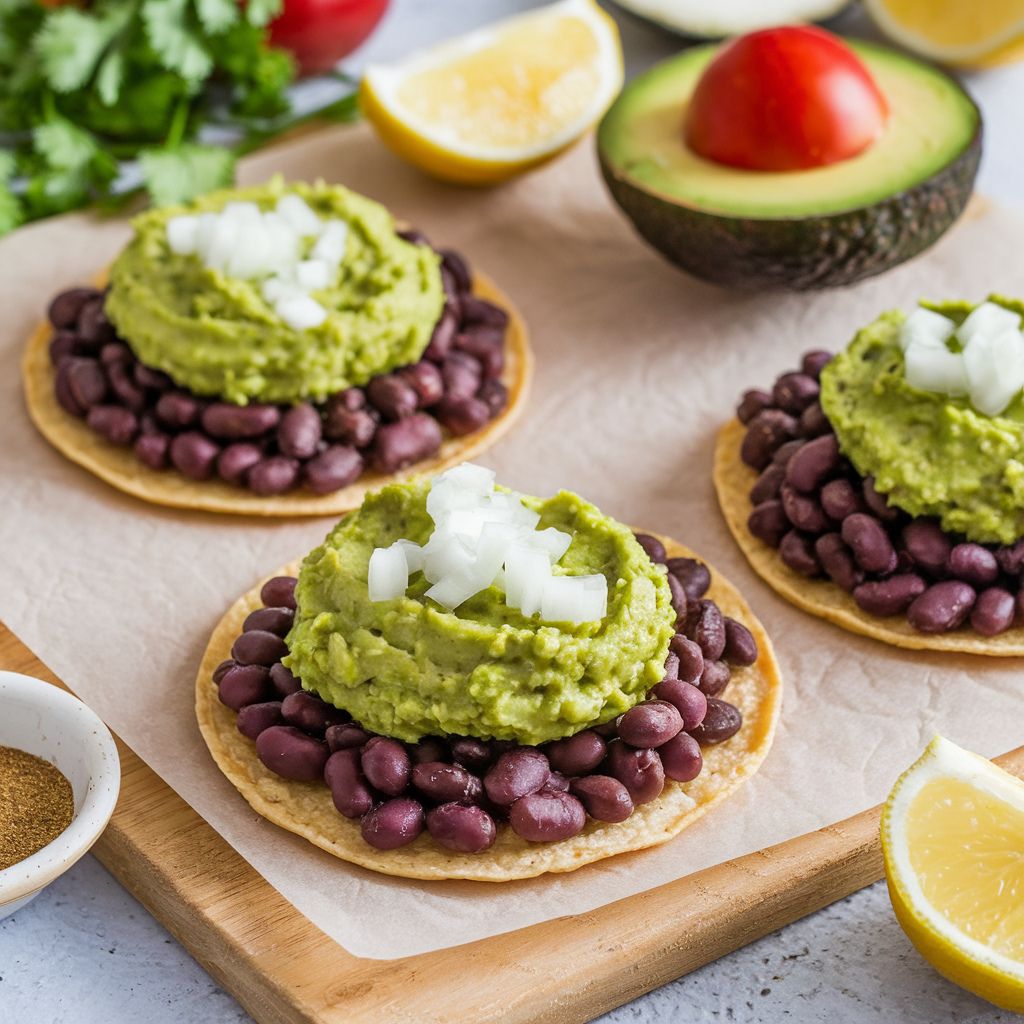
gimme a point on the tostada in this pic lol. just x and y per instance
(883, 488)
(276, 350)
(466, 682)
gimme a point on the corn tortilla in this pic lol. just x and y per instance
(119, 466)
(306, 808)
(821, 597)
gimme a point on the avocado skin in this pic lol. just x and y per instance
(801, 253)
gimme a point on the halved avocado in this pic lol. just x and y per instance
(795, 229)
(698, 19)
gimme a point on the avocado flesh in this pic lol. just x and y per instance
(801, 229)
(931, 121)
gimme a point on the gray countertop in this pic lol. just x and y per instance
(85, 952)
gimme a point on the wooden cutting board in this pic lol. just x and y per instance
(282, 969)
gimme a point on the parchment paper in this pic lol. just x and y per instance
(637, 365)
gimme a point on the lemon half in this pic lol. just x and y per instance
(953, 841)
(968, 33)
(500, 100)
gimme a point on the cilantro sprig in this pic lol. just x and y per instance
(85, 88)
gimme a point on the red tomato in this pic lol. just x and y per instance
(320, 32)
(785, 99)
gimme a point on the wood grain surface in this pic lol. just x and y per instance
(283, 970)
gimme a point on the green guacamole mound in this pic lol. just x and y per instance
(408, 668)
(931, 455)
(217, 335)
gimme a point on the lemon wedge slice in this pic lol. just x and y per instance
(954, 32)
(953, 841)
(500, 100)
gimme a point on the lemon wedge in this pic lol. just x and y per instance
(978, 34)
(500, 100)
(953, 841)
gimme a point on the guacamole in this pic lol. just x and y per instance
(408, 668)
(930, 454)
(217, 335)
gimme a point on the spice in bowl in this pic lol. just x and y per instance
(36, 805)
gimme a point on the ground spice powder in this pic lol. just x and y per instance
(36, 804)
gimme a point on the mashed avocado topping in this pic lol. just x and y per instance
(931, 454)
(408, 667)
(216, 334)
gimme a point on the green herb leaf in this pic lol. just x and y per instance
(110, 77)
(178, 175)
(64, 146)
(178, 47)
(216, 15)
(261, 12)
(11, 213)
(70, 44)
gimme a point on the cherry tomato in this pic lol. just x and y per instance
(320, 32)
(785, 99)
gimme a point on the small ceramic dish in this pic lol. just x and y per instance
(49, 722)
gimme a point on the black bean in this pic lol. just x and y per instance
(694, 576)
(649, 724)
(254, 718)
(345, 736)
(720, 723)
(127, 392)
(392, 396)
(556, 781)
(274, 620)
(890, 596)
(149, 378)
(494, 395)
(840, 499)
(487, 346)
(578, 754)
(797, 553)
(355, 427)
(279, 592)
(640, 771)
(681, 758)
(709, 630)
(878, 503)
(1011, 558)
(457, 267)
(335, 467)
(715, 678)
(765, 433)
(872, 549)
(768, 484)
(813, 464)
(194, 455)
(231, 422)
(398, 445)
(309, 713)
(116, 352)
(942, 607)
(349, 792)
(292, 754)
(479, 311)
(605, 798)
(740, 645)
(426, 380)
(114, 423)
(443, 338)
(386, 765)
(462, 375)
(753, 401)
(299, 431)
(273, 475)
(244, 684)
(672, 665)
(680, 602)
(235, 461)
(62, 389)
(653, 547)
(691, 658)
(86, 381)
(814, 422)
(446, 783)
(814, 362)
(62, 345)
(431, 748)
(515, 774)
(66, 306)
(786, 451)
(547, 817)
(688, 700)
(258, 647)
(284, 680)
(973, 564)
(93, 326)
(472, 753)
(462, 829)
(221, 670)
(793, 392)
(392, 824)
(178, 410)
(413, 236)
(768, 522)
(461, 416)
(993, 612)
(803, 510)
(837, 561)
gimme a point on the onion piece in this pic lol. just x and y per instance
(388, 574)
(995, 370)
(931, 367)
(987, 319)
(300, 312)
(183, 234)
(332, 243)
(925, 325)
(312, 275)
(575, 599)
(299, 215)
(527, 571)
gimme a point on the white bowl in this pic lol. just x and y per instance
(47, 721)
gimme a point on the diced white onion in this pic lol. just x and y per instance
(297, 212)
(413, 554)
(925, 325)
(527, 571)
(312, 275)
(388, 576)
(252, 254)
(451, 591)
(182, 234)
(300, 312)
(469, 477)
(222, 244)
(930, 367)
(575, 599)
(987, 319)
(330, 246)
(995, 370)
(241, 212)
(554, 542)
